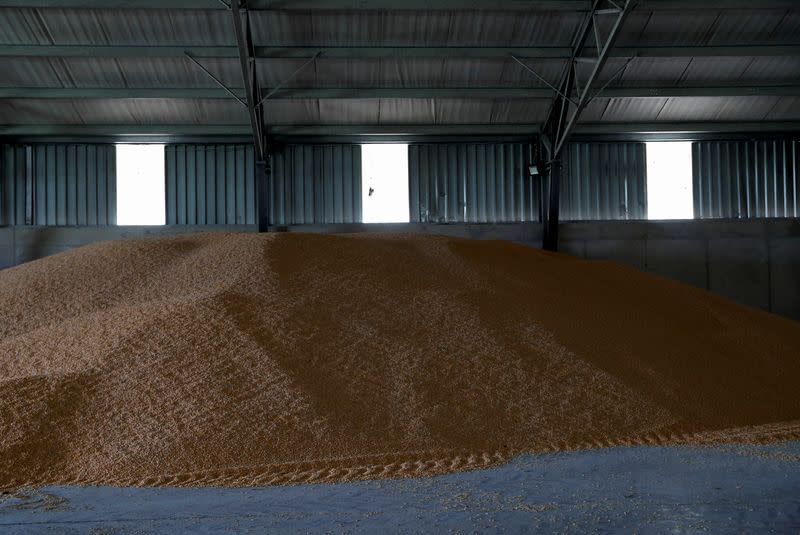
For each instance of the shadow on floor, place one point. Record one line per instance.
(728, 489)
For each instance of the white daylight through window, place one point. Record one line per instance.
(384, 187)
(669, 180)
(140, 185)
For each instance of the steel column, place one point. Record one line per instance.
(299, 52)
(572, 98)
(255, 111)
(550, 218)
(263, 175)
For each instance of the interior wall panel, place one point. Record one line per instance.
(746, 179)
(604, 181)
(210, 184)
(472, 183)
(12, 162)
(59, 185)
(216, 184)
(316, 183)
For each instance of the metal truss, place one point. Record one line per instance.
(255, 111)
(574, 94)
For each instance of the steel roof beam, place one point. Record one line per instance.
(252, 96)
(118, 51)
(714, 51)
(689, 127)
(255, 111)
(356, 52)
(490, 5)
(145, 131)
(243, 130)
(573, 97)
(124, 130)
(789, 90)
(702, 91)
(527, 5)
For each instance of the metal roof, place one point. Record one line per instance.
(70, 63)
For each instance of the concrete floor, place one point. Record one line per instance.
(730, 489)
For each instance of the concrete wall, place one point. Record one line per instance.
(754, 262)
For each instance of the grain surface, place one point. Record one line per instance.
(246, 359)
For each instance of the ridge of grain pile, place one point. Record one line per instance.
(246, 359)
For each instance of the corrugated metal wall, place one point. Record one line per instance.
(210, 184)
(472, 183)
(59, 184)
(14, 169)
(743, 179)
(215, 184)
(316, 184)
(604, 181)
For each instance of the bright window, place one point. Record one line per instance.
(669, 180)
(384, 189)
(140, 185)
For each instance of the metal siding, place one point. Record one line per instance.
(92, 177)
(170, 176)
(211, 181)
(250, 186)
(219, 184)
(59, 185)
(338, 187)
(299, 161)
(45, 181)
(471, 183)
(190, 178)
(745, 179)
(111, 180)
(358, 208)
(309, 189)
(71, 188)
(102, 178)
(230, 186)
(6, 205)
(210, 184)
(414, 194)
(316, 184)
(603, 181)
(12, 188)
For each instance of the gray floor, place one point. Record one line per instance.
(731, 489)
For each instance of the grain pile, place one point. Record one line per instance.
(241, 359)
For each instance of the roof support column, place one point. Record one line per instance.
(572, 97)
(263, 178)
(255, 112)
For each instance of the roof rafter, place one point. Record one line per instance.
(299, 52)
(573, 97)
(243, 130)
(786, 90)
(490, 5)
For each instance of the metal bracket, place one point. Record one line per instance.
(540, 77)
(284, 82)
(218, 81)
